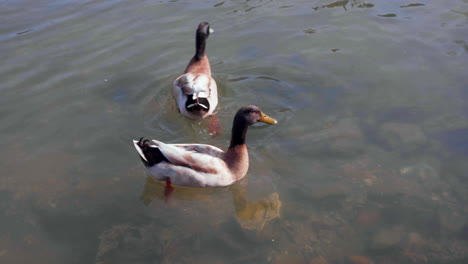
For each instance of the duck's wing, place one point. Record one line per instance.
(213, 94)
(203, 149)
(199, 157)
(196, 84)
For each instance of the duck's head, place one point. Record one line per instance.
(246, 116)
(204, 30)
(251, 114)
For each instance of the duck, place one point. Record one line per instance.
(195, 91)
(202, 165)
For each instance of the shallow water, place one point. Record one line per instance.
(366, 165)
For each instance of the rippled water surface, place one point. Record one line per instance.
(368, 163)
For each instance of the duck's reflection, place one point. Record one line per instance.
(250, 215)
(254, 215)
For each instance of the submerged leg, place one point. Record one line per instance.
(214, 128)
(168, 190)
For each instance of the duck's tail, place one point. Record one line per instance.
(149, 154)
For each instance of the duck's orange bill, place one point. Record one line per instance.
(266, 119)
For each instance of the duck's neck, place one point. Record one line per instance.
(239, 132)
(237, 155)
(200, 45)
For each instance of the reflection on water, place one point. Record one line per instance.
(254, 215)
(366, 165)
(346, 3)
(388, 15)
(335, 4)
(412, 5)
(251, 215)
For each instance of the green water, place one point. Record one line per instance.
(368, 163)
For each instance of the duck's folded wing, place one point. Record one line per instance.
(202, 162)
(189, 83)
(203, 149)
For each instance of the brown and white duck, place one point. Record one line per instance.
(195, 91)
(201, 165)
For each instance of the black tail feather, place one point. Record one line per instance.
(152, 154)
(197, 107)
